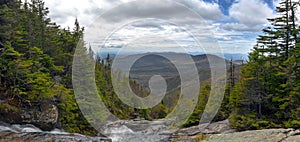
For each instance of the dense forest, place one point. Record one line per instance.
(36, 58)
(265, 92)
(268, 93)
(36, 67)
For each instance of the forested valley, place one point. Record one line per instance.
(36, 57)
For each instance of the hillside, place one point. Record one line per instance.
(151, 64)
(48, 92)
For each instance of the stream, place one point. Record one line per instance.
(30, 133)
(119, 131)
(138, 131)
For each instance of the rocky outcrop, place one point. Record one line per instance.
(30, 133)
(268, 135)
(45, 116)
(201, 131)
(213, 128)
(221, 132)
(48, 137)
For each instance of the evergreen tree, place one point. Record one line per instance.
(266, 96)
(35, 62)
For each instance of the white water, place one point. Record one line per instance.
(134, 131)
(17, 128)
(121, 131)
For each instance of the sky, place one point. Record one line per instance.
(228, 26)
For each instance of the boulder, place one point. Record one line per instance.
(49, 137)
(201, 131)
(45, 116)
(268, 135)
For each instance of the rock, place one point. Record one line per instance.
(221, 132)
(268, 135)
(49, 137)
(201, 131)
(292, 139)
(31, 133)
(219, 128)
(293, 136)
(213, 128)
(45, 116)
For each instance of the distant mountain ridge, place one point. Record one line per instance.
(151, 64)
(227, 56)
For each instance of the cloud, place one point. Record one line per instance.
(240, 27)
(244, 17)
(145, 9)
(86, 10)
(164, 9)
(148, 24)
(208, 11)
(61, 15)
(250, 13)
(64, 12)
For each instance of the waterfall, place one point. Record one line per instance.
(138, 131)
(119, 131)
(28, 132)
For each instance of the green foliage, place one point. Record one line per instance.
(202, 100)
(223, 111)
(242, 122)
(35, 62)
(266, 95)
(292, 124)
(71, 116)
(112, 101)
(36, 58)
(249, 122)
(7, 107)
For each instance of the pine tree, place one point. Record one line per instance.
(35, 62)
(267, 88)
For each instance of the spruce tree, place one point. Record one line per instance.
(266, 95)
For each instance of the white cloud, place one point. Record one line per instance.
(241, 27)
(251, 13)
(209, 11)
(64, 12)
(85, 10)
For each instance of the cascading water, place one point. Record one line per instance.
(30, 133)
(119, 131)
(138, 131)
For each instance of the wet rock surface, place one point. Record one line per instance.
(268, 135)
(221, 132)
(149, 131)
(44, 117)
(30, 133)
(48, 137)
(202, 131)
